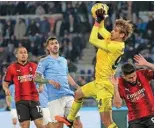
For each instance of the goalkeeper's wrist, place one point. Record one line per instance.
(98, 20)
(96, 24)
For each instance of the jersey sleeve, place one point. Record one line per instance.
(8, 75)
(106, 45)
(41, 67)
(149, 74)
(103, 32)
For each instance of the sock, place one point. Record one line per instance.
(113, 125)
(74, 110)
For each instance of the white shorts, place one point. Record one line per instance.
(46, 116)
(14, 113)
(60, 107)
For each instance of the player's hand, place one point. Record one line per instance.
(114, 81)
(100, 15)
(140, 60)
(7, 92)
(41, 88)
(55, 84)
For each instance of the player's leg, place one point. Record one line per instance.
(56, 108)
(36, 113)
(46, 117)
(69, 101)
(14, 117)
(85, 91)
(23, 114)
(76, 105)
(104, 99)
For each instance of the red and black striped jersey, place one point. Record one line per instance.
(139, 98)
(22, 77)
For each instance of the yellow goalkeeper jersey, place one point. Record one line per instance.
(108, 55)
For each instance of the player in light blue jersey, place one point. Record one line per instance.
(13, 105)
(57, 79)
(43, 99)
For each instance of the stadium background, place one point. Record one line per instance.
(30, 23)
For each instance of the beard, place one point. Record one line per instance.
(54, 52)
(133, 83)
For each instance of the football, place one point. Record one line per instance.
(99, 6)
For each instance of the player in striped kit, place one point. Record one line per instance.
(134, 87)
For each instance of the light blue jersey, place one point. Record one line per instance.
(43, 98)
(57, 70)
(12, 91)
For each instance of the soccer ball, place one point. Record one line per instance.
(99, 6)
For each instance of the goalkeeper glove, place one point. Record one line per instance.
(100, 15)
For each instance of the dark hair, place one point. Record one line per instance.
(128, 69)
(50, 38)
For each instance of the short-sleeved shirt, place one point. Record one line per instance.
(139, 98)
(57, 70)
(22, 77)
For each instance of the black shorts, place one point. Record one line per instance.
(146, 122)
(28, 110)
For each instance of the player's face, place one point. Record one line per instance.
(116, 35)
(131, 78)
(22, 55)
(53, 46)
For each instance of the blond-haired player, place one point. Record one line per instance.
(110, 50)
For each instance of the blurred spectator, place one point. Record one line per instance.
(44, 26)
(20, 7)
(71, 66)
(150, 24)
(8, 29)
(40, 10)
(20, 29)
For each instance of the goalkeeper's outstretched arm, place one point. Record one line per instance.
(106, 45)
(103, 32)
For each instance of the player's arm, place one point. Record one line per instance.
(117, 100)
(72, 82)
(6, 88)
(103, 32)
(6, 80)
(106, 45)
(40, 88)
(8, 101)
(141, 61)
(39, 79)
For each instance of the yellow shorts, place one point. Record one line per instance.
(102, 92)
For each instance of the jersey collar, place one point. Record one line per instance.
(22, 64)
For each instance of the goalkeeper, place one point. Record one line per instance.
(109, 54)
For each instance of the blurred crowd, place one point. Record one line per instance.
(71, 22)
